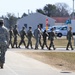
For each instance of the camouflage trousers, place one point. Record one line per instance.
(3, 50)
(38, 41)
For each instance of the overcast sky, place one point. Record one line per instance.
(21, 6)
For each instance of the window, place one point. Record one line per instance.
(64, 28)
(25, 25)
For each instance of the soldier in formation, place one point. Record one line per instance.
(15, 32)
(37, 35)
(11, 35)
(69, 37)
(51, 37)
(22, 35)
(45, 35)
(29, 36)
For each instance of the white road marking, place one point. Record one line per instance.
(14, 73)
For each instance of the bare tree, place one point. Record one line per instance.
(12, 19)
(62, 9)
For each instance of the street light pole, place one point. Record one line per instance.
(73, 9)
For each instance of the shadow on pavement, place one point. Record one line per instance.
(65, 72)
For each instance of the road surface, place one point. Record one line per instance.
(17, 64)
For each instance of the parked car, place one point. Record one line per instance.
(62, 31)
(56, 27)
(50, 28)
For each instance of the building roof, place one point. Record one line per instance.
(60, 19)
(37, 15)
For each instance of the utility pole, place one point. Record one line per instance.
(73, 9)
(18, 15)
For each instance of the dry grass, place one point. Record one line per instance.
(61, 60)
(61, 42)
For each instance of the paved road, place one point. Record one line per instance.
(17, 64)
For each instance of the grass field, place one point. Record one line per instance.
(59, 42)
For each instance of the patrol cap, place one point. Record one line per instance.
(52, 29)
(38, 25)
(70, 28)
(15, 25)
(1, 22)
(23, 27)
(30, 27)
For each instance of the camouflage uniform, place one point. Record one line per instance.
(4, 39)
(22, 34)
(11, 34)
(45, 34)
(69, 36)
(29, 36)
(37, 35)
(15, 32)
(51, 37)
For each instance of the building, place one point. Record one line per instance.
(61, 20)
(6, 23)
(33, 20)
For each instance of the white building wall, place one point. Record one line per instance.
(33, 20)
(73, 26)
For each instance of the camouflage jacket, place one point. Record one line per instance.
(4, 35)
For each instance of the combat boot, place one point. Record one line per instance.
(67, 49)
(42, 47)
(31, 47)
(54, 48)
(1, 65)
(49, 48)
(72, 49)
(18, 46)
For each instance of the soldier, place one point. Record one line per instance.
(51, 37)
(22, 34)
(45, 34)
(69, 36)
(37, 35)
(15, 32)
(11, 34)
(29, 36)
(4, 40)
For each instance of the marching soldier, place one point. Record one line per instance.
(37, 35)
(29, 36)
(15, 32)
(11, 34)
(69, 37)
(45, 34)
(51, 37)
(22, 35)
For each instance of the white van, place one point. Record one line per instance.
(62, 31)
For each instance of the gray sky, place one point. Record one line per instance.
(21, 6)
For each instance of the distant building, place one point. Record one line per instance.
(6, 23)
(61, 20)
(33, 20)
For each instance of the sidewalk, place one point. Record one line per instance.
(17, 64)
